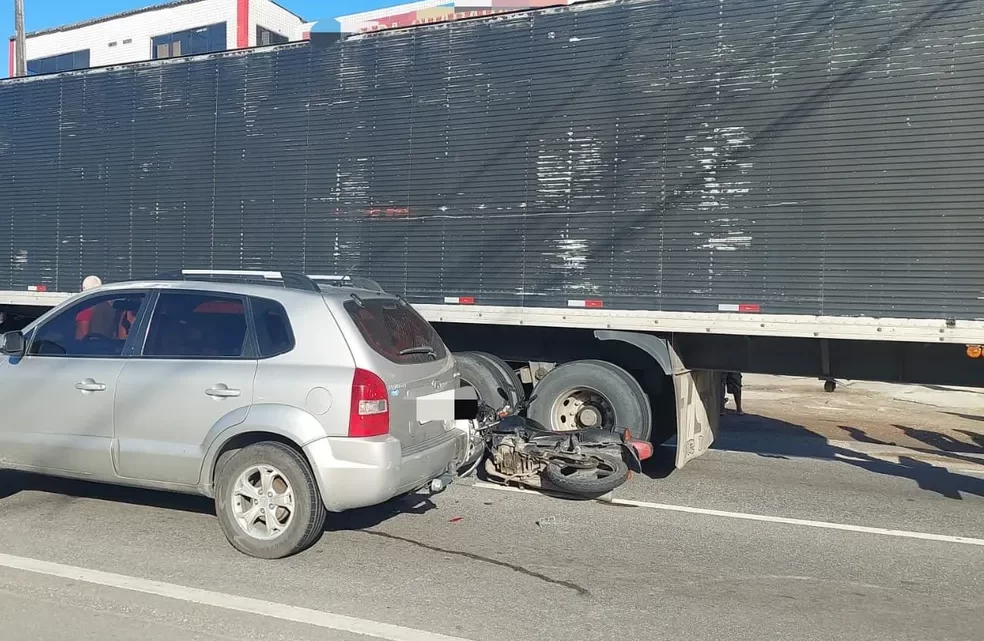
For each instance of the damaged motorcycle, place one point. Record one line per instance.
(584, 463)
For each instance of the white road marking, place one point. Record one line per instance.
(944, 538)
(317, 618)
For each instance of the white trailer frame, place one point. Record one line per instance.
(911, 330)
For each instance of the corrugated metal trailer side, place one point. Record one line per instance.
(798, 157)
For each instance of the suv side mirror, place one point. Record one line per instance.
(12, 344)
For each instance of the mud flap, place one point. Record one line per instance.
(698, 409)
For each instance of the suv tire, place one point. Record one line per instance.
(287, 475)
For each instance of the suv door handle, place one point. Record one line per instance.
(221, 391)
(89, 385)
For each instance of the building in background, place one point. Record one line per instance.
(177, 28)
(433, 11)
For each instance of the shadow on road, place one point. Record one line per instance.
(944, 388)
(970, 417)
(661, 464)
(780, 439)
(368, 517)
(942, 445)
(12, 483)
(975, 437)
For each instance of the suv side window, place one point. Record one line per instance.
(273, 332)
(197, 325)
(96, 327)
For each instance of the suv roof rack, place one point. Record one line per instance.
(288, 280)
(358, 282)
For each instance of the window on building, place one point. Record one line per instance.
(190, 42)
(55, 64)
(266, 37)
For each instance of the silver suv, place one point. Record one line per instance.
(282, 402)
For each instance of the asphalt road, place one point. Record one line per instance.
(80, 561)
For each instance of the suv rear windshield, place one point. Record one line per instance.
(394, 330)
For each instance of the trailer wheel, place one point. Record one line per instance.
(592, 393)
(515, 390)
(480, 374)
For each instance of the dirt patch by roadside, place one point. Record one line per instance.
(873, 414)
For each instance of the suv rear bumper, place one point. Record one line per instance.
(359, 472)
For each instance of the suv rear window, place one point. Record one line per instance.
(395, 330)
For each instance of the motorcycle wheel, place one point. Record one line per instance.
(610, 473)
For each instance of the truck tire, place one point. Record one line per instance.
(592, 393)
(291, 499)
(486, 379)
(612, 473)
(515, 391)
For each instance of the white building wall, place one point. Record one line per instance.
(369, 19)
(139, 29)
(272, 16)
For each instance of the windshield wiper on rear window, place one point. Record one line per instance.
(423, 349)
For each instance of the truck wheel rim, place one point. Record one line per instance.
(581, 408)
(263, 502)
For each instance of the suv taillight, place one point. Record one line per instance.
(369, 415)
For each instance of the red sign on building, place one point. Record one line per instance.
(422, 13)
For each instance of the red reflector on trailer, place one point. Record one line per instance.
(643, 449)
(742, 308)
(37, 288)
(459, 300)
(591, 303)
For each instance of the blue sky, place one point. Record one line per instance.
(42, 14)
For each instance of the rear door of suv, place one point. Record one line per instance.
(406, 352)
(194, 371)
